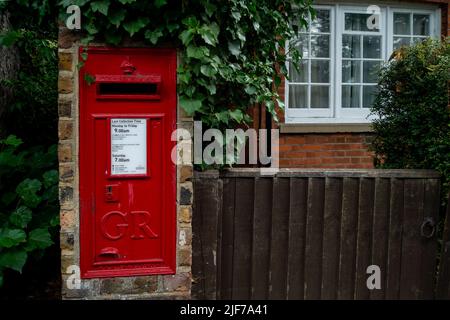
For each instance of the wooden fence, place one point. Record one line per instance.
(311, 234)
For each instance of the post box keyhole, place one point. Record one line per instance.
(112, 193)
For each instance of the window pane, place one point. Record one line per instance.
(401, 41)
(302, 44)
(358, 22)
(350, 96)
(301, 75)
(402, 23)
(320, 46)
(372, 47)
(298, 96)
(320, 97)
(351, 71)
(351, 47)
(370, 71)
(322, 21)
(369, 94)
(320, 71)
(421, 24)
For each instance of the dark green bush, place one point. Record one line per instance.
(28, 202)
(29, 209)
(413, 128)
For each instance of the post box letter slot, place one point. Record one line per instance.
(127, 88)
(109, 252)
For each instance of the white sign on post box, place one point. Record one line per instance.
(128, 146)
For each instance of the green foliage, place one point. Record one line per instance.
(232, 53)
(28, 206)
(413, 129)
(33, 106)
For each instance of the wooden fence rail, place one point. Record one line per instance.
(311, 234)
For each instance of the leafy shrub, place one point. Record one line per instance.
(413, 128)
(29, 208)
(28, 202)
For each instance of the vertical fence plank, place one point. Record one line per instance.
(206, 222)
(380, 233)
(443, 281)
(297, 234)
(243, 225)
(279, 239)
(364, 241)
(395, 240)
(314, 229)
(261, 237)
(348, 230)
(331, 237)
(411, 246)
(228, 207)
(429, 246)
(198, 286)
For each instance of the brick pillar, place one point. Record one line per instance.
(135, 287)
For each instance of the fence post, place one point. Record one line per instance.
(443, 282)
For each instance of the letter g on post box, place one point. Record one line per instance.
(127, 178)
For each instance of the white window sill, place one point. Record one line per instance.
(325, 127)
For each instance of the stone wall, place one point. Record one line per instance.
(176, 286)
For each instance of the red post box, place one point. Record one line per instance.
(127, 178)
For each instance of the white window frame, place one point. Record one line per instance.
(316, 112)
(337, 114)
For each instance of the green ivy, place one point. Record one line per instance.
(232, 51)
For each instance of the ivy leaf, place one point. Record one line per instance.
(12, 140)
(135, 25)
(90, 79)
(236, 115)
(210, 33)
(234, 47)
(54, 221)
(27, 190)
(197, 52)
(91, 28)
(208, 71)
(190, 105)
(14, 259)
(100, 6)
(250, 90)
(153, 36)
(39, 239)
(117, 17)
(21, 217)
(126, 1)
(236, 15)
(223, 117)
(160, 3)
(186, 36)
(211, 88)
(50, 178)
(11, 237)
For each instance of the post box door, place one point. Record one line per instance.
(127, 178)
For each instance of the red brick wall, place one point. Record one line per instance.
(340, 150)
(336, 150)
